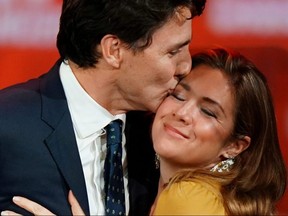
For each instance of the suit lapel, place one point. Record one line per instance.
(61, 142)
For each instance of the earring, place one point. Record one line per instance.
(223, 166)
(157, 161)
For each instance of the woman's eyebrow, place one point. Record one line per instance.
(211, 101)
(185, 85)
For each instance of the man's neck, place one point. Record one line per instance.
(101, 85)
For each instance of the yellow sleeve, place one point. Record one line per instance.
(189, 198)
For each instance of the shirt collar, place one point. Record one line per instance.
(87, 115)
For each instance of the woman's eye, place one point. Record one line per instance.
(178, 97)
(209, 113)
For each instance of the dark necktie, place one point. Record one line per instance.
(113, 171)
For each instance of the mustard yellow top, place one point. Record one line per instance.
(190, 198)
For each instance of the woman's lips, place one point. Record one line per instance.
(174, 132)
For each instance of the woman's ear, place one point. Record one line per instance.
(236, 147)
(111, 50)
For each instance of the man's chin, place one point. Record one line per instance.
(158, 104)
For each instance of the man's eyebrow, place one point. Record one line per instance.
(183, 44)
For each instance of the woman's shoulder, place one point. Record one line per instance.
(190, 197)
(188, 188)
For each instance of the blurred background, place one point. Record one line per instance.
(257, 28)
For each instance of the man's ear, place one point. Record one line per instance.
(111, 50)
(236, 147)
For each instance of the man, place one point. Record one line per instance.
(116, 56)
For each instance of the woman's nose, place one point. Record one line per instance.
(185, 114)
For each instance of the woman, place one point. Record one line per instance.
(217, 142)
(221, 113)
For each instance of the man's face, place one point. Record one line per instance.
(150, 74)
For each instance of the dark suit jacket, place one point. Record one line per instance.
(39, 158)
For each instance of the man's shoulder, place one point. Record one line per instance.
(24, 93)
(29, 86)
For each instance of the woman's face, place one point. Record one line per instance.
(192, 126)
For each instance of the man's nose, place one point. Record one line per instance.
(184, 66)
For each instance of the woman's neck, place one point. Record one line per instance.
(161, 186)
(167, 171)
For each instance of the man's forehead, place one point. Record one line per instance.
(182, 14)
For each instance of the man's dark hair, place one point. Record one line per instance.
(83, 24)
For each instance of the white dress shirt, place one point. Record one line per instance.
(89, 119)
